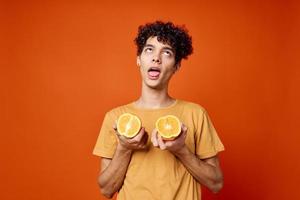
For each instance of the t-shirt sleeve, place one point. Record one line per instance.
(107, 141)
(208, 143)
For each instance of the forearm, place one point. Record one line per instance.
(205, 173)
(111, 179)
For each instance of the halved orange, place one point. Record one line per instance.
(168, 127)
(128, 125)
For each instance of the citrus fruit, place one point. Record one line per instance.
(128, 125)
(168, 127)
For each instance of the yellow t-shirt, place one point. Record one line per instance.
(154, 173)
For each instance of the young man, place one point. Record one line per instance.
(147, 167)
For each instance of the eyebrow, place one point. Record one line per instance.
(168, 48)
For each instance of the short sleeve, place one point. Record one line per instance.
(208, 143)
(107, 141)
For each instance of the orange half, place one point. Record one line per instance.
(168, 127)
(128, 125)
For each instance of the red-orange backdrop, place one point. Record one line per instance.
(65, 63)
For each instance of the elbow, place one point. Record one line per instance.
(105, 191)
(107, 194)
(217, 186)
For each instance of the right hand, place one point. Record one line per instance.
(138, 142)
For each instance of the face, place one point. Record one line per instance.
(157, 63)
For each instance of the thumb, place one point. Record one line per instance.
(140, 134)
(183, 128)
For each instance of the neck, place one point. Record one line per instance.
(154, 98)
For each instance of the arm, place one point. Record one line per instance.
(207, 171)
(113, 170)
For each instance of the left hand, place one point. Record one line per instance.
(172, 145)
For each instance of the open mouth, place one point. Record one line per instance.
(154, 72)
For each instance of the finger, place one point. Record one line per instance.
(145, 139)
(183, 127)
(161, 143)
(121, 137)
(154, 137)
(144, 142)
(140, 135)
(183, 130)
(115, 125)
(123, 140)
(171, 144)
(168, 143)
(117, 133)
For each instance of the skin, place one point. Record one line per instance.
(155, 95)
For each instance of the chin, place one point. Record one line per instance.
(154, 86)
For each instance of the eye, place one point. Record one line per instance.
(168, 53)
(148, 49)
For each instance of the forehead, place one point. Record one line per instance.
(154, 42)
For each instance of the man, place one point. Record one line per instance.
(147, 167)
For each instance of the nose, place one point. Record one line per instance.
(156, 58)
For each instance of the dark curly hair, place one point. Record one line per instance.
(175, 36)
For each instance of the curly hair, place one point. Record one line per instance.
(175, 36)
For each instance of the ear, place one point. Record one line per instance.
(177, 66)
(138, 62)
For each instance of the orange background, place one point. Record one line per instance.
(64, 64)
